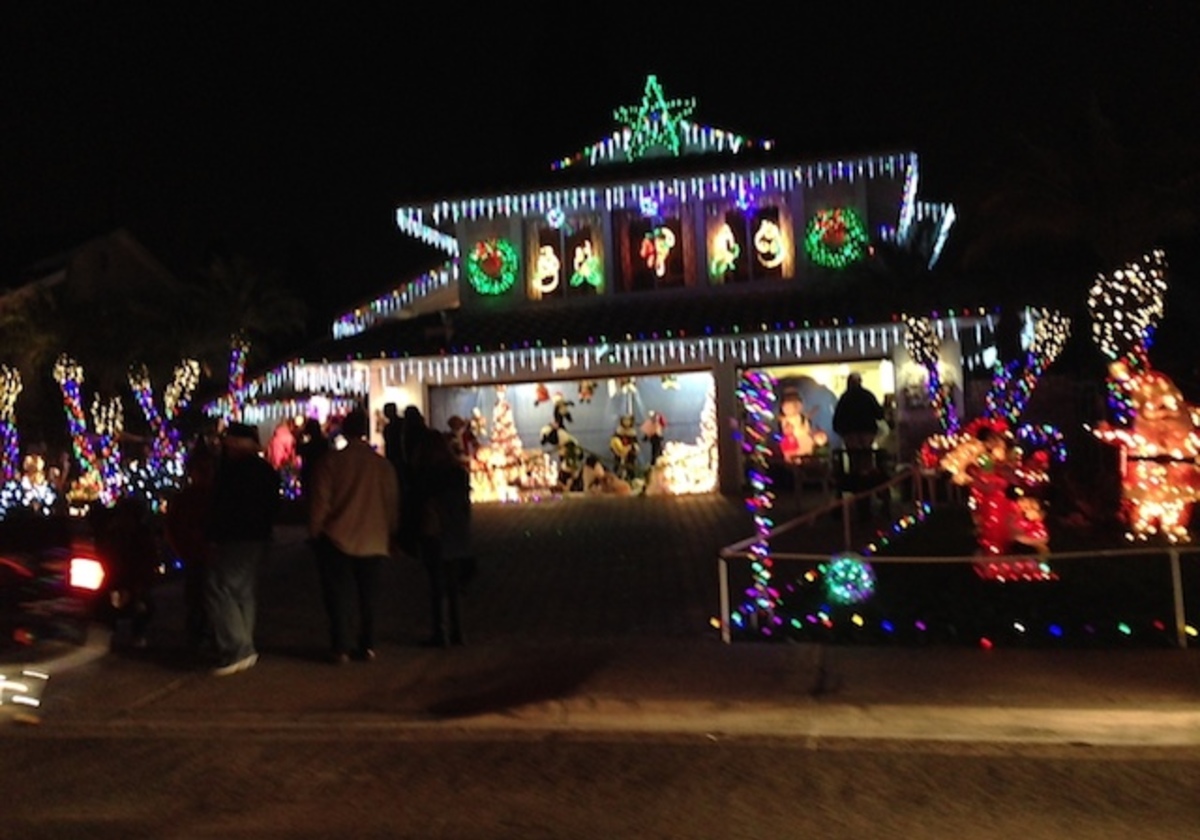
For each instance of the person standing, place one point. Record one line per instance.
(184, 527)
(393, 436)
(856, 421)
(354, 513)
(244, 505)
(439, 502)
(313, 444)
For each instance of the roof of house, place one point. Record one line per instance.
(726, 310)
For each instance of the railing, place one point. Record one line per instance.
(739, 551)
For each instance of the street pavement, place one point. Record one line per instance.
(600, 615)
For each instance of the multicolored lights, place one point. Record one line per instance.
(756, 392)
(1156, 430)
(10, 442)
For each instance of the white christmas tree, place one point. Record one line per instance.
(692, 467)
(506, 443)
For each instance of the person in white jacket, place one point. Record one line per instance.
(354, 514)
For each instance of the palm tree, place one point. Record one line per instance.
(1089, 203)
(230, 301)
(30, 340)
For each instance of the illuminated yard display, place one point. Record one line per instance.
(1004, 465)
(1155, 429)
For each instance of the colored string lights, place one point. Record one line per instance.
(1156, 430)
(654, 123)
(756, 392)
(69, 375)
(10, 442)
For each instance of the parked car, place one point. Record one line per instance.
(54, 586)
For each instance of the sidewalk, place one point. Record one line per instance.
(594, 615)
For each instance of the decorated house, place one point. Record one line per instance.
(612, 313)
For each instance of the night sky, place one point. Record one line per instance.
(291, 131)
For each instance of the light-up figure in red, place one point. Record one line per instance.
(1007, 514)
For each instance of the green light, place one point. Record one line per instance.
(836, 238)
(492, 266)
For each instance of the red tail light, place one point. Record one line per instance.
(86, 573)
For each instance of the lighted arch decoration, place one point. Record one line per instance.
(836, 238)
(492, 266)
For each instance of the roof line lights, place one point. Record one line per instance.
(422, 222)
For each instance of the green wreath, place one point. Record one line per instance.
(492, 266)
(836, 238)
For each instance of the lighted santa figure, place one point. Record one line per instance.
(1007, 514)
(1160, 453)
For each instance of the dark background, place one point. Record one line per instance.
(290, 132)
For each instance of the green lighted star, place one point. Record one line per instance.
(656, 122)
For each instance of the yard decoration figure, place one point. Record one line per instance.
(1160, 454)
(654, 428)
(1157, 431)
(562, 410)
(1002, 462)
(797, 438)
(1005, 508)
(624, 447)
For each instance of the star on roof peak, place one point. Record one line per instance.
(656, 121)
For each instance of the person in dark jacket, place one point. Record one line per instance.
(185, 529)
(856, 421)
(437, 496)
(309, 449)
(242, 517)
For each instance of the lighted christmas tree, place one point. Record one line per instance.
(692, 467)
(506, 443)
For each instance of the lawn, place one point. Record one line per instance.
(1095, 600)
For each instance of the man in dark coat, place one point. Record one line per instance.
(856, 421)
(242, 518)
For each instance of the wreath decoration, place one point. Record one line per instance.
(836, 238)
(492, 266)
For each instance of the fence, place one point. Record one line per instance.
(922, 490)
